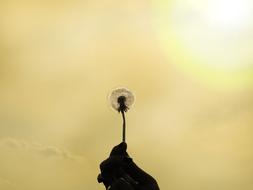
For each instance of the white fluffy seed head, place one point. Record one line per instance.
(118, 92)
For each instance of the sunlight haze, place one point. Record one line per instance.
(188, 62)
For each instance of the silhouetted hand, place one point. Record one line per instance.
(119, 172)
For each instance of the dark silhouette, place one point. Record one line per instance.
(119, 172)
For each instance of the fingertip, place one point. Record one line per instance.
(123, 145)
(100, 178)
(120, 149)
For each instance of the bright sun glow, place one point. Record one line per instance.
(210, 39)
(229, 13)
(214, 33)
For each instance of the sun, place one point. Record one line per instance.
(211, 39)
(229, 14)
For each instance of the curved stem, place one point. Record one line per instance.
(124, 126)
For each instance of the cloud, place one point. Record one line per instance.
(13, 143)
(47, 151)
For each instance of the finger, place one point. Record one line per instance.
(100, 178)
(119, 150)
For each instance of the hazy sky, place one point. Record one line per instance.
(189, 63)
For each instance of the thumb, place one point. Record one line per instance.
(119, 150)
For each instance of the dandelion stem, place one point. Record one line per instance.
(124, 126)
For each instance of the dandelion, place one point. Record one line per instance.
(121, 100)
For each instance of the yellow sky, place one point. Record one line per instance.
(189, 63)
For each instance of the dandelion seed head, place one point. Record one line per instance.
(119, 96)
